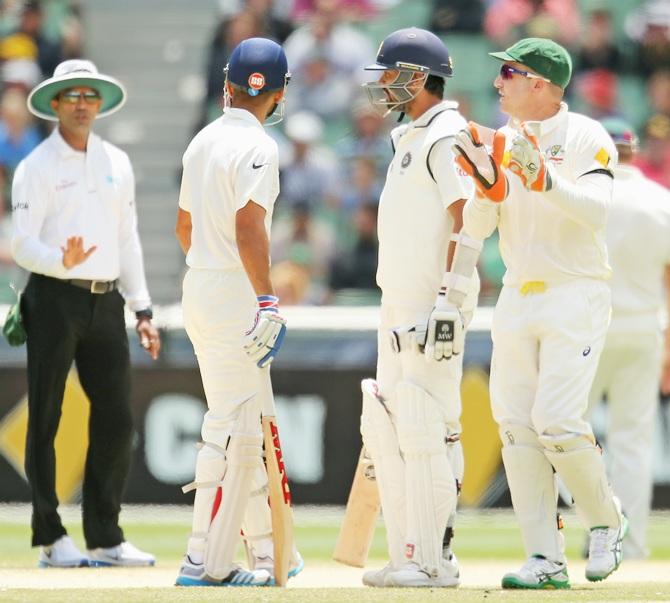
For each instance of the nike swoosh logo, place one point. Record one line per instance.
(260, 165)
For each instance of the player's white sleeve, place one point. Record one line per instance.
(452, 183)
(480, 217)
(587, 201)
(29, 204)
(132, 277)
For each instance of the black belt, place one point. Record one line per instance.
(97, 287)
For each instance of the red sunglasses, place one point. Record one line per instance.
(507, 72)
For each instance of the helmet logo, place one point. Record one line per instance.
(406, 160)
(256, 81)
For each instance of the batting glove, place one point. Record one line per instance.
(263, 340)
(484, 167)
(527, 161)
(445, 331)
(405, 339)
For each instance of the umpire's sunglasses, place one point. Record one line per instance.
(72, 97)
(507, 72)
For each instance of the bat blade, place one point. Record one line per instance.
(280, 501)
(360, 518)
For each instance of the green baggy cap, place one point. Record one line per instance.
(545, 57)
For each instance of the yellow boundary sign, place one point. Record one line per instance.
(71, 440)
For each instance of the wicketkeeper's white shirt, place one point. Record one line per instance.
(638, 240)
(540, 241)
(414, 226)
(229, 162)
(59, 192)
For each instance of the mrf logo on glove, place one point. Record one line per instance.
(263, 340)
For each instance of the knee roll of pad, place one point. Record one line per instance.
(566, 442)
(245, 450)
(513, 434)
(421, 426)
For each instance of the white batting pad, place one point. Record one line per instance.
(580, 465)
(429, 480)
(531, 482)
(244, 458)
(381, 442)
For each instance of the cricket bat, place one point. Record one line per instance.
(279, 493)
(360, 518)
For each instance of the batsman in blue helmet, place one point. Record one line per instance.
(229, 186)
(411, 413)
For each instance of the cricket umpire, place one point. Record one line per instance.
(75, 230)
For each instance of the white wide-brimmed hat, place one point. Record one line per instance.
(70, 74)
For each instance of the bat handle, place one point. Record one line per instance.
(267, 396)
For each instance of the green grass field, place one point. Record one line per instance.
(487, 543)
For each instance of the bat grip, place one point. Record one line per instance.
(267, 397)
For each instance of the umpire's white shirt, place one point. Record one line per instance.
(414, 226)
(638, 240)
(228, 163)
(59, 192)
(539, 239)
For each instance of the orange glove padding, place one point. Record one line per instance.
(484, 168)
(527, 161)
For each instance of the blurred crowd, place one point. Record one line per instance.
(334, 148)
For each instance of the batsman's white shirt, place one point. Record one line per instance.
(59, 192)
(228, 163)
(414, 226)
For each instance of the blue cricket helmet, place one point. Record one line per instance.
(258, 65)
(414, 49)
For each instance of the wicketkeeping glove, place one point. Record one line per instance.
(263, 340)
(527, 161)
(445, 331)
(484, 167)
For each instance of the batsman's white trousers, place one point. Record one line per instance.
(546, 348)
(629, 374)
(219, 307)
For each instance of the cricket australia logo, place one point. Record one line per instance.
(406, 160)
(555, 153)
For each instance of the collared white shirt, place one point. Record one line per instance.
(539, 241)
(638, 240)
(414, 226)
(229, 162)
(59, 192)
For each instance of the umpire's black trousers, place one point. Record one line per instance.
(66, 323)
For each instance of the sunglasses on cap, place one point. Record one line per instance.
(507, 71)
(72, 97)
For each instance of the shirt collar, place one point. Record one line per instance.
(243, 115)
(423, 120)
(65, 150)
(546, 125)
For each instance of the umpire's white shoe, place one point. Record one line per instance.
(411, 575)
(538, 573)
(62, 553)
(124, 555)
(192, 574)
(376, 578)
(605, 548)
